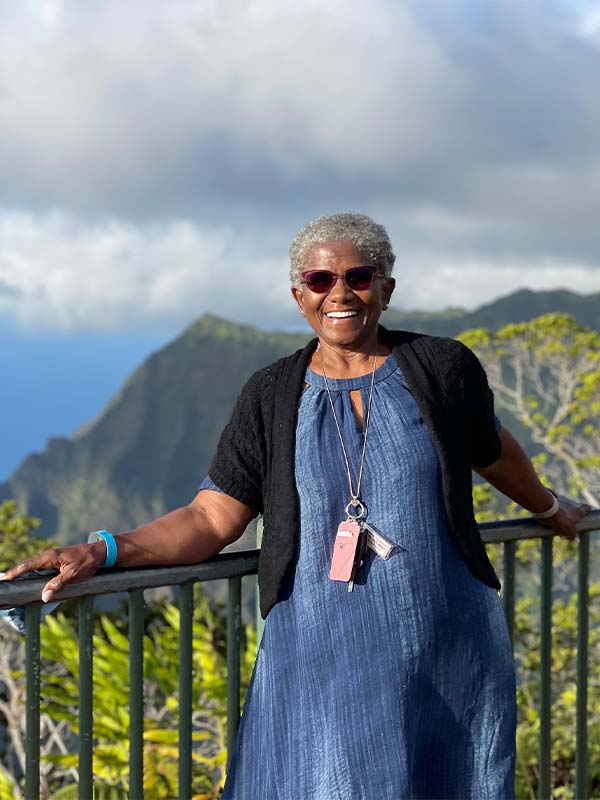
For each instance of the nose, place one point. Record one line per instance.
(340, 290)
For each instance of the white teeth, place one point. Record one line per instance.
(341, 314)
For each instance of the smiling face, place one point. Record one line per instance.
(343, 318)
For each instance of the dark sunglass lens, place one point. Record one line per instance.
(319, 281)
(360, 278)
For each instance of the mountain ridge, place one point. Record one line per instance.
(150, 447)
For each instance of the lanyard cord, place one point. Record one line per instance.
(354, 495)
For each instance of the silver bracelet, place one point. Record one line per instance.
(552, 511)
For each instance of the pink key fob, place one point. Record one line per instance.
(344, 551)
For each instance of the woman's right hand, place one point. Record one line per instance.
(74, 564)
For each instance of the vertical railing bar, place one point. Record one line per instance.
(544, 786)
(234, 630)
(186, 618)
(581, 747)
(260, 623)
(32, 702)
(136, 694)
(508, 589)
(86, 718)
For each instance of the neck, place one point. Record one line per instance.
(342, 362)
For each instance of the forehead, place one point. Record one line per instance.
(342, 253)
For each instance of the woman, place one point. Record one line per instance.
(385, 669)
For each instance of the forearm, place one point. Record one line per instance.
(183, 536)
(513, 474)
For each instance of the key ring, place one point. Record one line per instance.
(355, 503)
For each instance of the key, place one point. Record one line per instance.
(361, 549)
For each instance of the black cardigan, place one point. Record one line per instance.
(254, 462)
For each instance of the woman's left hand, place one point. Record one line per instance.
(565, 520)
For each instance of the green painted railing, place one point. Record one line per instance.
(233, 566)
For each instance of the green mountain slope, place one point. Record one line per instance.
(149, 449)
(516, 307)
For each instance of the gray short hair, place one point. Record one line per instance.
(369, 237)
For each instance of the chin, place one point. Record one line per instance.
(347, 338)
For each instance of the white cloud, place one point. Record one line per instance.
(431, 281)
(110, 89)
(589, 23)
(59, 273)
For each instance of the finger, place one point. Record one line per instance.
(45, 560)
(570, 534)
(57, 584)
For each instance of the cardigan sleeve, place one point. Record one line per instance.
(482, 438)
(236, 465)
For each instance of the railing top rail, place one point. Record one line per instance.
(513, 530)
(228, 565)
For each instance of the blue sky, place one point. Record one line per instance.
(156, 158)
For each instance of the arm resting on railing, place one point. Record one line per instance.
(186, 535)
(513, 474)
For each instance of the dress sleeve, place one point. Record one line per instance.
(208, 483)
(236, 468)
(481, 424)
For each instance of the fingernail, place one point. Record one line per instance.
(47, 596)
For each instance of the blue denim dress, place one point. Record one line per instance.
(404, 688)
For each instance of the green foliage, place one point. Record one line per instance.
(564, 692)
(101, 792)
(8, 789)
(489, 505)
(111, 696)
(564, 659)
(15, 542)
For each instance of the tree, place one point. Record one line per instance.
(546, 373)
(16, 544)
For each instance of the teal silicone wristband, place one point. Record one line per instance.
(111, 546)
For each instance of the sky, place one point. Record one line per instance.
(156, 159)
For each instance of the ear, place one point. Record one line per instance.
(389, 284)
(298, 297)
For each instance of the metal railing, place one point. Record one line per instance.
(233, 566)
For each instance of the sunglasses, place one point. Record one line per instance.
(322, 281)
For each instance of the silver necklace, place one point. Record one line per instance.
(355, 508)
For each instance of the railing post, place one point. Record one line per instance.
(544, 786)
(260, 623)
(32, 708)
(508, 589)
(86, 713)
(136, 695)
(234, 626)
(581, 747)
(186, 619)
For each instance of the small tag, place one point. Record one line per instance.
(379, 543)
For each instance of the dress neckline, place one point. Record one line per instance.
(348, 384)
